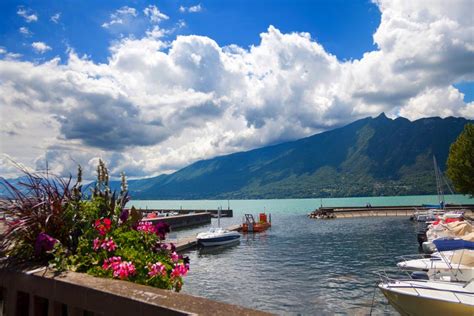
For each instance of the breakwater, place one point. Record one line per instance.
(182, 221)
(403, 210)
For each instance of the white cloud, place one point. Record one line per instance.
(154, 14)
(55, 18)
(25, 31)
(156, 106)
(121, 16)
(28, 15)
(192, 9)
(40, 47)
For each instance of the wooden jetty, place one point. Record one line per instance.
(191, 241)
(375, 211)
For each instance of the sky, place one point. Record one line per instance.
(152, 86)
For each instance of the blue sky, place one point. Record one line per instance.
(151, 86)
(344, 28)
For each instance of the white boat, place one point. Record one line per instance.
(217, 236)
(454, 262)
(426, 297)
(439, 294)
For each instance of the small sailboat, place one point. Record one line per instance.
(217, 236)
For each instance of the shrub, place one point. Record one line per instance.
(49, 220)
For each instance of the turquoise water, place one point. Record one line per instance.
(301, 266)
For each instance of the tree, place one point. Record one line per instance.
(461, 161)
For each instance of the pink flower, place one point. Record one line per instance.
(124, 269)
(179, 270)
(97, 243)
(146, 227)
(112, 263)
(109, 244)
(174, 256)
(156, 268)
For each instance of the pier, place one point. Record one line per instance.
(182, 221)
(213, 212)
(375, 211)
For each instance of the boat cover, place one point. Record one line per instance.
(453, 244)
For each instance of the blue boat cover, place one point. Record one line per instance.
(453, 244)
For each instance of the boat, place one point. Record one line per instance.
(250, 225)
(217, 236)
(454, 261)
(426, 297)
(446, 289)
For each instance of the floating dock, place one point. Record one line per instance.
(406, 211)
(191, 241)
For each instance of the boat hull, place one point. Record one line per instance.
(256, 228)
(415, 305)
(218, 241)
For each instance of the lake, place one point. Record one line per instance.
(301, 265)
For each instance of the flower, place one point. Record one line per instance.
(111, 262)
(103, 226)
(156, 268)
(97, 244)
(124, 216)
(44, 242)
(179, 270)
(162, 229)
(174, 257)
(146, 227)
(109, 244)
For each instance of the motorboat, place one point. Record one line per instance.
(453, 262)
(426, 297)
(217, 236)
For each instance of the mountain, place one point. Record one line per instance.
(372, 156)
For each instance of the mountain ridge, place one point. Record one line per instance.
(371, 156)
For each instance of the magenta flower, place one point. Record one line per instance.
(174, 257)
(179, 270)
(162, 229)
(124, 269)
(156, 268)
(112, 262)
(146, 227)
(44, 242)
(108, 244)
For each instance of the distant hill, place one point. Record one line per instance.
(372, 156)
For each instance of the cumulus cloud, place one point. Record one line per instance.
(55, 18)
(154, 14)
(28, 15)
(191, 9)
(25, 31)
(156, 106)
(121, 16)
(40, 47)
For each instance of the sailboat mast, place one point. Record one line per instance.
(438, 183)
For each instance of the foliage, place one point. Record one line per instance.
(461, 161)
(49, 220)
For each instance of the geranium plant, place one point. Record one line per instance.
(49, 220)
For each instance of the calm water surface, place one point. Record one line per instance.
(300, 266)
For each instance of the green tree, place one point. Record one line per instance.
(461, 161)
